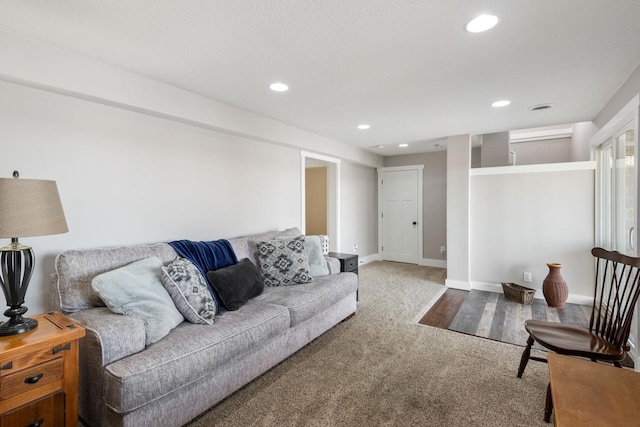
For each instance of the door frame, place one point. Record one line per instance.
(333, 196)
(628, 116)
(420, 170)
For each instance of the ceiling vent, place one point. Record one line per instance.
(540, 107)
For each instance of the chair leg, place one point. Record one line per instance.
(548, 406)
(617, 364)
(525, 356)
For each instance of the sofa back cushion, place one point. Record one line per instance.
(71, 285)
(245, 247)
(76, 269)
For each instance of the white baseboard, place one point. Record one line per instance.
(457, 284)
(362, 260)
(424, 261)
(439, 263)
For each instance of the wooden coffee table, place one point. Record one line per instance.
(585, 393)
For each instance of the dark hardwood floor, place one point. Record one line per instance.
(445, 309)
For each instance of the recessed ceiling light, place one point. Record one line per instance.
(278, 87)
(502, 103)
(364, 126)
(481, 23)
(403, 145)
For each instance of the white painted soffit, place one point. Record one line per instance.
(541, 133)
(35, 65)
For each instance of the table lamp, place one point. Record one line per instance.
(28, 207)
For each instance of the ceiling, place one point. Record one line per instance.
(406, 67)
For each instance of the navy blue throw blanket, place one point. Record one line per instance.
(207, 256)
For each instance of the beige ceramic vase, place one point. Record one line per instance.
(554, 287)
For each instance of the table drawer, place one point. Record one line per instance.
(10, 365)
(31, 378)
(351, 264)
(47, 412)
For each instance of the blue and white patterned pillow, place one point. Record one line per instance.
(284, 262)
(190, 291)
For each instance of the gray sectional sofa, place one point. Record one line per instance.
(170, 382)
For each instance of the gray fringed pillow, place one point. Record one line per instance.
(189, 290)
(284, 262)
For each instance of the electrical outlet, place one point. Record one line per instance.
(355, 247)
(442, 249)
(526, 276)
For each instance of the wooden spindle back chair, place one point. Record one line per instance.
(617, 287)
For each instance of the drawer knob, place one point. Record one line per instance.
(34, 379)
(37, 423)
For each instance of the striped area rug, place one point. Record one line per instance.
(490, 315)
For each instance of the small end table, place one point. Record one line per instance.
(348, 263)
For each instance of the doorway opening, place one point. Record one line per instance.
(320, 187)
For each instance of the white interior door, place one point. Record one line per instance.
(399, 215)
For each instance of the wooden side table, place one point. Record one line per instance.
(587, 393)
(348, 263)
(39, 374)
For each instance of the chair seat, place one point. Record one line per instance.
(572, 340)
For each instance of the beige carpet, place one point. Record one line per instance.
(381, 368)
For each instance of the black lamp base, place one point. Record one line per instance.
(17, 325)
(14, 281)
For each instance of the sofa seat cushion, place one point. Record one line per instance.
(306, 300)
(190, 352)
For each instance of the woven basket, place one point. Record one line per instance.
(518, 293)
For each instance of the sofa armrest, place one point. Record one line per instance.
(334, 264)
(110, 336)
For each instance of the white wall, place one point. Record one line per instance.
(127, 178)
(628, 89)
(580, 148)
(494, 150)
(542, 151)
(522, 219)
(358, 198)
(137, 161)
(458, 168)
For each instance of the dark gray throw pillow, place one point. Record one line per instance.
(236, 284)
